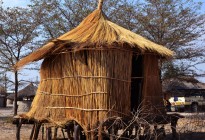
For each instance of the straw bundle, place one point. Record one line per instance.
(86, 86)
(86, 73)
(152, 88)
(93, 32)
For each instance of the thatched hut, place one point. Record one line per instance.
(26, 94)
(24, 97)
(96, 71)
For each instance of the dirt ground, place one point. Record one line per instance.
(192, 127)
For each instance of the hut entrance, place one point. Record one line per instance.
(137, 81)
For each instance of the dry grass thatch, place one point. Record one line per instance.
(85, 90)
(90, 86)
(86, 75)
(96, 31)
(152, 88)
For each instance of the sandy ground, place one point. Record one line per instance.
(192, 127)
(7, 129)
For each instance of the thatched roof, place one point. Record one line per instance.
(28, 91)
(96, 31)
(182, 83)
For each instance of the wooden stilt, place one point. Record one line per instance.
(18, 128)
(63, 133)
(76, 134)
(36, 131)
(112, 133)
(69, 128)
(48, 133)
(32, 131)
(42, 131)
(55, 133)
(173, 127)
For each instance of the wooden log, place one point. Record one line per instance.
(173, 127)
(18, 128)
(68, 130)
(63, 133)
(76, 135)
(32, 131)
(55, 133)
(48, 133)
(16, 119)
(112, 133)
(174, 119)
(42, 131)
(36, 131)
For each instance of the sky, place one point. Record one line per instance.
(34, 75)
(13, 3)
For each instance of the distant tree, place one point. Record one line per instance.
(178, 25)
(18, 30)
(60, 16)
(4, 80)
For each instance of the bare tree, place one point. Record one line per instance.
(60, 16)
(18, 31)
(178, 25)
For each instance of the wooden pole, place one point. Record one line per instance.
(55, 133)
(32, 131)
(112, 133)
(68, 129)
(76, 132)
(48, 134)
(63, 133)
(18, 128)
(36, 132)
(173, 127)
(100, 3)
(42, 131)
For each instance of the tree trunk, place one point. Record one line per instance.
(16, 92)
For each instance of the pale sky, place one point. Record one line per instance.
(13, 3)
(24, 3)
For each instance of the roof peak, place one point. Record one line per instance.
(100, 4)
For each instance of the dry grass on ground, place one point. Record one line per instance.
(192, 127)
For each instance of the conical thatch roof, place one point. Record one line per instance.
(28, 91)
(96, 31)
